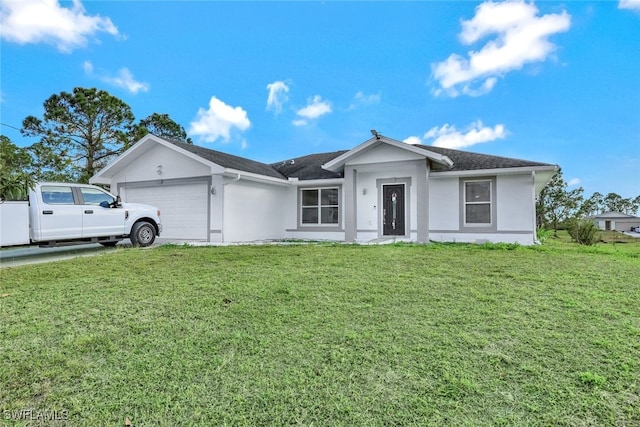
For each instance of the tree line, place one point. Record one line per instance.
(78, 134)
(557, 206)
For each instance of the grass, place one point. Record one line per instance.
(326, 335)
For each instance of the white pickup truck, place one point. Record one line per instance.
(59, 214)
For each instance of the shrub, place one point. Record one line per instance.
(583, 232)
(543, 234)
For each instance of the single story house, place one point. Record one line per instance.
(382, 189)
(615, 221)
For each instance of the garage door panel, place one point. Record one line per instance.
(184, 208)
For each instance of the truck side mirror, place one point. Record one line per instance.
(118, 202)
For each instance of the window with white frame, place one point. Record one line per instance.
(320, 206)
(477, 202)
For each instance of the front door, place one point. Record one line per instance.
(393, 212)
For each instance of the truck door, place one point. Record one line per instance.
(59, 215)
(99, 216)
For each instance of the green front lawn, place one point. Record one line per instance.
(326, 335)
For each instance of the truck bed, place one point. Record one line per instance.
(14, 223)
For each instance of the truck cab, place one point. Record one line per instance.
(66, 213)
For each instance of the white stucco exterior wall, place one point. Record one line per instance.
(514, 203)
(514, 206)
(444, 203)
(368, 205)
(384, 154)
(216, 209)
(290, 199)
(503, 237)
(253, 211)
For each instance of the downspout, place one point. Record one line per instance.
(236, 179)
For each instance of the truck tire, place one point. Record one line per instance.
(142, 234)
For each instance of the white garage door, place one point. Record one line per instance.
(183, 208)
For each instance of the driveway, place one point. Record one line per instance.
(11, 257)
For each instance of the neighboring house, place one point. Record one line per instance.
(615, 221)
(383, 189)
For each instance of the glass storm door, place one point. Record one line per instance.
(393, 217)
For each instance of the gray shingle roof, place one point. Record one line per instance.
(465, 160)
(310, 167)
(229, 161)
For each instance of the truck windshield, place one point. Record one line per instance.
(94, 196)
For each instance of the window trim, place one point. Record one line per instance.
(319, 206)
(484, 226)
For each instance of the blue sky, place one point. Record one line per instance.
(556, 82)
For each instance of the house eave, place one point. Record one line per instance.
(495, 171)
(317, 182)
(235, 173)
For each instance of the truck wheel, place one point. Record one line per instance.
(143, 234)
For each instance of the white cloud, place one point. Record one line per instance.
(630, 4)
(46, 21)
(277, 95)
(124, 79)
(485, 87)
(413, 140)
(315, 108)
(299, 122)
(521, 37)
(448, 136)
(373, 98)
(88, 67)
(218, 121)
(362, 99)
(574, 181)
